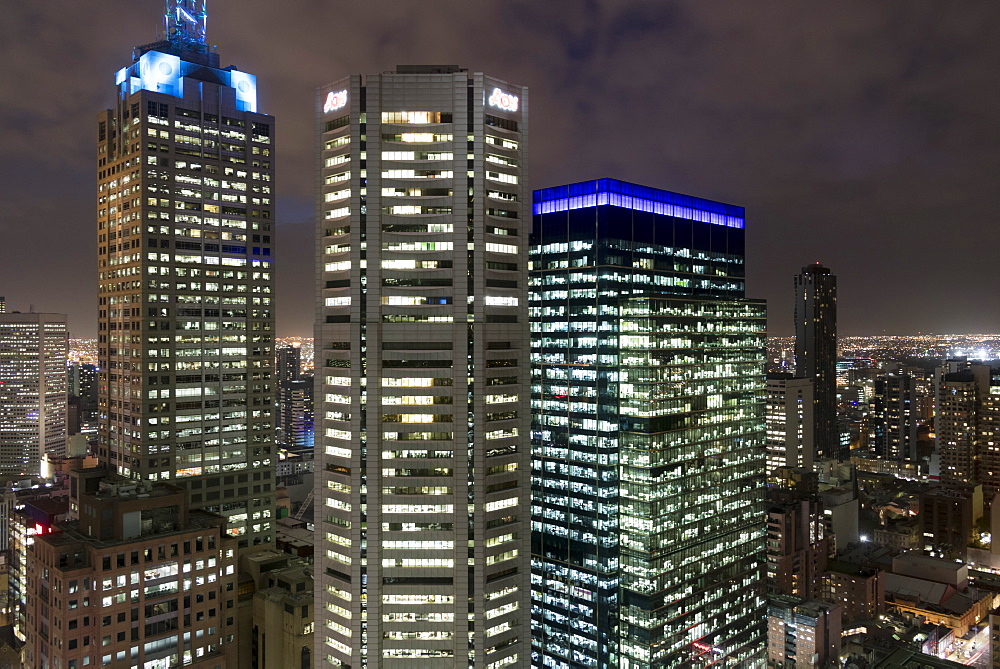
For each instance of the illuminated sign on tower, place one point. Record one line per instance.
(504, 101)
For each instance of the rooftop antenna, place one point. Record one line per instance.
(186, 23)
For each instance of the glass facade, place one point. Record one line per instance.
(647, 434)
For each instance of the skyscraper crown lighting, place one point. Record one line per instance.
(617, 193)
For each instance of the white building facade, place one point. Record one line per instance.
(33, 390)
(422, 374)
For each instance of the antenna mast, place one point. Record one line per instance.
(186, 23)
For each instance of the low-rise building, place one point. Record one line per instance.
(937, 590)
(275, 610)
(802, 633)
(859, 590)
(134, 580)
(900, 535)
(948, 514)
(282, 633)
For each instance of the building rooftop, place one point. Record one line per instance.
(908, 658)
(615, 193)
(918, 559)
(69, 533)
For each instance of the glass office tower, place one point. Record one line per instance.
(648, 432)
(185, 241)
(816, 353)
(422, 484)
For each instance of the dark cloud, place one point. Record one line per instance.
(862, 135)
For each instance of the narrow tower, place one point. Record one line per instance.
(186, 324)
(816, 351)
(422, 491)
(33, 391)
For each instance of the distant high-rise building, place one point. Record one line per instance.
(956, 424)
(648, 431)
(422, 489)
(33, 391)
(288, 367)
(295, 406)
(816, 350)
(185, 241)
(83, 386)
(989, 443)
(3, 304)
(790, 422)
(288, 363)
(893, 416)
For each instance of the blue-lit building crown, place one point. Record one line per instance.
(615, 193)
(165, 66)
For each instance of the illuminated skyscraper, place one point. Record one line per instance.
(790, 422)
(83, 387)
(422, 494)
(894, 415)
(186, 324)
(295, 406)
(648, 432)
(956, 424)
(33, 391)
(289, 363)
(816, 351)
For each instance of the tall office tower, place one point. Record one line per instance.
(648, 431)
(894, 415)
(790, 422)
(288, 363)
(422, 371)
(3, 304)
(33, 391)
(186, 324)
(956, 425)
(295, 404)
(288, 367)
(816, 351)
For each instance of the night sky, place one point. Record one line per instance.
(865, 136)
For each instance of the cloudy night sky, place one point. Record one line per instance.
(865, 136)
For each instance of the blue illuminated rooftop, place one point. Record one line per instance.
(614, 193)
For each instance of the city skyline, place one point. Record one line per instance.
(534, 423)
(893, 145)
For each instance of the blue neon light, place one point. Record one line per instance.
(246, 90)
(165, 72)
(612, 192)
(160, 72)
